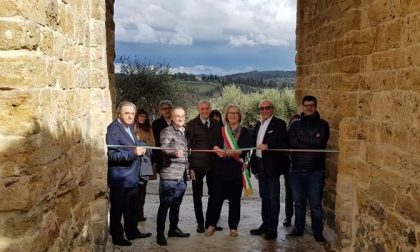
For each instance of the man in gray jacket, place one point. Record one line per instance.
(172, 186)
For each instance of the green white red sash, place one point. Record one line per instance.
(231, 143)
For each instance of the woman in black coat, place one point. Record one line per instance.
(227, 172)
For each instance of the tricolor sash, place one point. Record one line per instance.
(231, 143)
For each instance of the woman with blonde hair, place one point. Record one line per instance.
(227, 172)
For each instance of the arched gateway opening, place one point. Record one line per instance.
(56, 87)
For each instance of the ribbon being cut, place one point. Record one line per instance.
(232, 145)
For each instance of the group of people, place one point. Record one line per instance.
(206, 148)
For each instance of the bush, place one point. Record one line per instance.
(146, 84)
(283, 99)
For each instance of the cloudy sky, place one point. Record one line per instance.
(208, 36)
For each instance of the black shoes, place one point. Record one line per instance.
(293, 234)
(138, 235)
(320, 239)
(161, 240)
(200, 229)
(270, 236)
(287, 223)
(121, 242)
(217, 228)
(258, 231)
(177, 233)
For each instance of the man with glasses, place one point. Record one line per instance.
(269, 133)
(165, 111)
(172, 185)
(308, 168)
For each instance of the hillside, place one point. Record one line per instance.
(263, 79)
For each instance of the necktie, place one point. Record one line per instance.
(206, 124)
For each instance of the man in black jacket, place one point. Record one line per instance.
(165, 110)
(269, 133)
(308, 168)
(201, 132)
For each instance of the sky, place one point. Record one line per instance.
(208, 36)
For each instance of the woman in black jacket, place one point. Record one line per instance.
(227, 182)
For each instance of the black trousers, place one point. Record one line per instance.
(226, 189)
(124, 202)
(197, 188)
(289, 199)
(141, 191)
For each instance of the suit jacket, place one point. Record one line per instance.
(274, 163)
(123, 163)
(157, 126)
(201, 137)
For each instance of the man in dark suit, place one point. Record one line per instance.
(269, 133)
(123, 175)
(201, 132)
(165, 111)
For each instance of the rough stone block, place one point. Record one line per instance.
(383, 193)
(376, 12)
(400, 137)
(97, 13)
(98, 59)
(17, 114)
(9, 8)
(409, 79)
(99, 210)
(18, 71)
(18, 35)
(408, 202)
(351, 64)
(97, 33)
(9, 188)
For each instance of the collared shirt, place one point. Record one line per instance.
(169, 122)
(204, 121)
(127, 129)
(261, 133)
(182, 129)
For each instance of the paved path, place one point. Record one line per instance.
(220, 241)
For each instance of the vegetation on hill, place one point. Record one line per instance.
(263, 79)
(146, 84)
(284, 102)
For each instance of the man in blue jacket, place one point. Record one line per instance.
(123, 175)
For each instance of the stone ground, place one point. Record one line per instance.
(220, 241)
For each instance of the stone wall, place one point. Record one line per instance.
(54, 106)
(362, 60)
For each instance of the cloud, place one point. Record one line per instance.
(184, 22)
(204, 69)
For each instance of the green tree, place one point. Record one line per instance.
(283, 99)
(145, 84)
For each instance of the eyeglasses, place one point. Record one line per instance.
(265, 108)
(166, 108)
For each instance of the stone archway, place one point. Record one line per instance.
(360, 59)
(55, 104)
(56, 79)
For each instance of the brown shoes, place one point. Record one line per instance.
(210, 231)
(233, 233)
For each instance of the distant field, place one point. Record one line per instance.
(201, 88)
